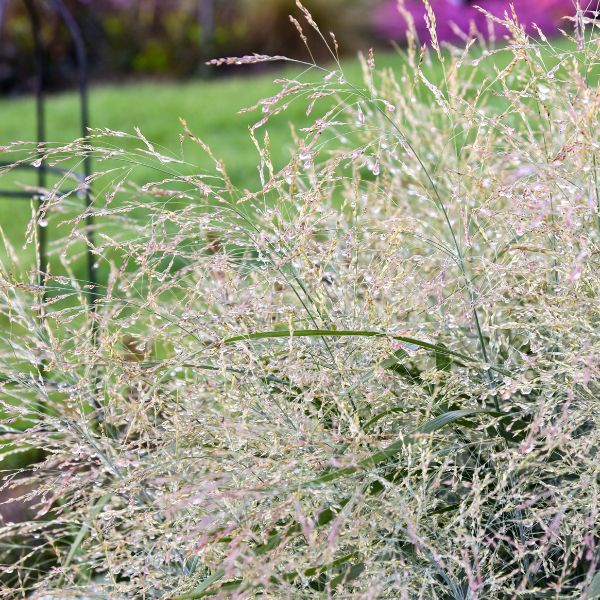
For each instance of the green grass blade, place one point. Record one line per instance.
(452, 416)
(302, 333)
(96, 510)
(200, 591)
(396, 447)
(373, 420)
(443, 362)
(350, 573)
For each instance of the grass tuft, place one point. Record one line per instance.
(373, 376)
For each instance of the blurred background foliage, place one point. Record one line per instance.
(173, 38)
(167, 38)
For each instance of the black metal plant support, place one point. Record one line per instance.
(42, 169)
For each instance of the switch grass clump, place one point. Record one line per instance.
(373, 375)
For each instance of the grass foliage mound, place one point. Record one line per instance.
(374, 377)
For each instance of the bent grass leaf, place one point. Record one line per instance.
(353, 572)
(443, 362)
(199, 592)
(443, 510)
(349, 573)
(397, 446)
(394, 363)
(454, 415)
(373, 420)
(395, 359)
(302, 333)
(95, 511)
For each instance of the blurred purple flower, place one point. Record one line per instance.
(547, 14)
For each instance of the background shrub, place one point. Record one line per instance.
(456, 16)
(162, 37)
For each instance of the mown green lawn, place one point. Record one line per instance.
(210, 108)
